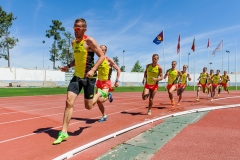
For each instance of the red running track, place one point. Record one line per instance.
(29, 125)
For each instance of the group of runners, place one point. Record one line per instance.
(87, 75)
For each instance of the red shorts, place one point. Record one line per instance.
(182, 85)
(151, 87)
(215, 85)
(169, 86)
(202, 85)
(224, 84)
(105, 85)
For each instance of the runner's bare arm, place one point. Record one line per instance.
(189, 78)
(166, 74)
(113, 64)
(145, 75)
(95, 48)
(160, 75)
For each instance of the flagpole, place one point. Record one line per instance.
(208, 55)
(179, 55)
(164, 61)
(222, 55)
(236, 63)
(194, 61)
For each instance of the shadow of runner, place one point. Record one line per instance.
(88, 121)
(158, 107)
(133, 113)
(54, 133)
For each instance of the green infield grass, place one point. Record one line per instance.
(10, 92)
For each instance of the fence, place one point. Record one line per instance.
(51, 78)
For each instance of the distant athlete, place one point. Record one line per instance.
(224, 84)
(152, 75)
(182, 84)
(209, 83)
(216, 82)
(104, 81)
(173, 77)
(202, 82)
(84, 78)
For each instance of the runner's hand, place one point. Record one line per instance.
(64, 68)
(90, 73)
(116, 84)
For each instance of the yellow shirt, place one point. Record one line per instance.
(172, 76)
(104, 71)
(216, 79)
(203, 78)
(224, 79)
(210, 78)
(84, 60)
(152, 72)
(184, 78)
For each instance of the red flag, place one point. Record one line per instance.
(178, 45)
(193, 45)
(208, 44)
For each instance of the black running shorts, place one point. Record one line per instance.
(88, 84)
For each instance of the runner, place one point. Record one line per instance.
(173, 77)
(182, 85)
(209, 83)
(225, 79)
(216, 82)
(152, 75)
(84, 48)
(104, 81)
(202, 82)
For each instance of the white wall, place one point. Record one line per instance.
(17, 75)
(58, 78)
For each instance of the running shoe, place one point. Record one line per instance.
(103, 94)
(110, 97)
(104, 118)
(228, 91)
(61, 137)
(211, 99)
(197, 99)
(172, 103)
(218, 95)
(149, 112)
(178, 104)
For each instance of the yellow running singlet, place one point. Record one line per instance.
(104, 71)
(216, 79)
(84, 60)
(152, 72)
(172, 76)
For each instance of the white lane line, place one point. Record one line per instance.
(88, 145)
(27, 135)
(59, 114)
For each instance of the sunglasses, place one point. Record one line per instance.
(77, 28)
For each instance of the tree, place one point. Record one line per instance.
(54, 32)
(6, 42)
(66, 56)
(137, 67)
(115, 59)
(122, 69)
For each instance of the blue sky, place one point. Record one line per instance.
(130, 25)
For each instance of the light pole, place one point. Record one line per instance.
(123, 68)
(43, 52)
(210, 65)
(228, 59)
(188, 61)
(43, 64)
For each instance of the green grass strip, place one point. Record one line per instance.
(11, 92)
